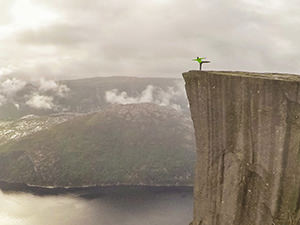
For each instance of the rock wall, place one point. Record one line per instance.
(247, 129)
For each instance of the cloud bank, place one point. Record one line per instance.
(150, 94)
(147, 38)
(42, 97)
(25, 209)
(10, 87)
(50, 85)
(40, 101)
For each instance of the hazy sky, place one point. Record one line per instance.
(80, 38)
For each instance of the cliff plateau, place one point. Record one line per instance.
(247, 128)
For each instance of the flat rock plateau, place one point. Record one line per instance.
(247, 128)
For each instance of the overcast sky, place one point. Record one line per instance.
(83, 38)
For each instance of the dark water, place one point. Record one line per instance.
(126, 206)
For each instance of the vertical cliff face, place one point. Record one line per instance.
(247, 128)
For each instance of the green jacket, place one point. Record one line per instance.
(199, 60)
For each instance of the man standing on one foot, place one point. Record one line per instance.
(200, 61)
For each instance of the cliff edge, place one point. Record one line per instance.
(247, 128)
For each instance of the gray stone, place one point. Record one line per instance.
(247, 128)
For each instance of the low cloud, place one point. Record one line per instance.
(7, 70)
(117, 97)
(41, 97)
(51, 85)
(26, 209)
(10, 87)
(40, 102)
(17, 105)
(3, 100)
(150, 94)
(167, 97)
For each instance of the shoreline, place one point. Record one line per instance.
(7, 187)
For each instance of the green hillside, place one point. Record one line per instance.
(140, 144)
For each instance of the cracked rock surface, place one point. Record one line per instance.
(247, 128)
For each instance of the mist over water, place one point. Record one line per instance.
(125, 207)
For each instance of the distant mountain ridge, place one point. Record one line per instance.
(83, 95)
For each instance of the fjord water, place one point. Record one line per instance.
(126, 207)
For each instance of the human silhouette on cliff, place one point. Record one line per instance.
(200, 61)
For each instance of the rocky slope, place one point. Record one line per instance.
(248, 136)
(139, 144)
(16, 129)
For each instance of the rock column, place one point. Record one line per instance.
(247, 129)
